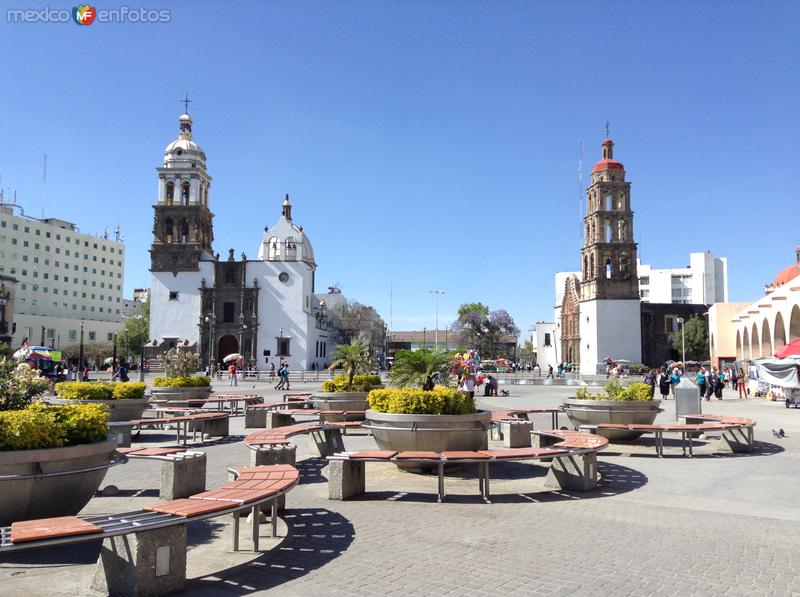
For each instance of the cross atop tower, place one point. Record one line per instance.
(186, 101)
(607, 127)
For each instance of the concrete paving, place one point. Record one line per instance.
(710, 525)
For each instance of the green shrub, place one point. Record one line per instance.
(19, 384)
(79, 390)
(614, 391)
(361, 383)
(43, 426)
(128, 390)
(195, 381)
(408, 401)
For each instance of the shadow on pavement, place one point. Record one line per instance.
(311, 470)
(316, 537)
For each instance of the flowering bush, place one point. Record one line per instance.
(42, 426)
(195, 381)
(407, 401)
(77, 390)
(19, 385)
(361, 383)
(614, 391)
(180, 363)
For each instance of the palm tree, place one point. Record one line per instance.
(420, 368)
(352, 358)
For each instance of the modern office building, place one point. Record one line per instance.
(703, 282)
(64, 277)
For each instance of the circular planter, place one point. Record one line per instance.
(180, 396)
(45, 496)
(624, 412)
(429, 433)
(126, 409)
(340, 401)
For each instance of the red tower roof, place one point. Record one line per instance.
(786, 275)
(608, 162)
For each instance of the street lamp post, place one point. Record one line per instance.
(681, 322)
(424, 332)
(210, 341)
(80, 352)
(114, 356)
(436, 337)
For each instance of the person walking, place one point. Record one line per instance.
(740, 385)
(549, 372)
(675, 379)
(279, 385)
(233, 377)
(650, 380)
(285, 376)
(664, 384)
(468, 384)
(700, 379)
(85, 373)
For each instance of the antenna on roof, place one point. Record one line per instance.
(44, 184)
(580, 193)
(117, 234)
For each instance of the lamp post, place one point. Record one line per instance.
(141, 361)
(681, 322)
(424, 331)
(80, 353)
(114, 357)
(436, 336)
(210, 342)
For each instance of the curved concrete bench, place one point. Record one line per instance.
(573, 456)
(271, 446)
(513, 427)
(144, 551)
(737, 432)
(183, 472)
(233, 400)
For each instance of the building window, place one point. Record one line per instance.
(110, 336)
(644, 281)
(51, 333)
(92, 336)
(72, 335)
(283, 347)
(228, 312)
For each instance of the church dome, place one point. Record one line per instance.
(286, 241)
(787, 275)
(607, 163)
(184, 148)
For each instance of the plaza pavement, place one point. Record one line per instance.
(712, 525)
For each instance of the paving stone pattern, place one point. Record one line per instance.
(712, 525)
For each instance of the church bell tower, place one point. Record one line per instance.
(182, 227)
(608, 255)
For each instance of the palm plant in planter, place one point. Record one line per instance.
(52, 458)
(180, 384)
(348, 391)
(619, 405)
(434, 418)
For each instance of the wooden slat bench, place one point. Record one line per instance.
(211, 423)
(144, 551)
(737, 433)
(232, 402)
(183, 472)
(271, 446)
(573, 456)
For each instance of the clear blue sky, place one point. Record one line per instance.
(424, 144)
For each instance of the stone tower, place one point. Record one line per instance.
(608, 255)
(610, 309)
(182, 227)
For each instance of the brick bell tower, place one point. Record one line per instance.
(182, 226)
(608, 255)
(610, 309)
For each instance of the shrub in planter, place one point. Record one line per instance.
(42, 426)
(614, 391)
(19, 385)
(439, 401)
(180, 363)
(128, 390)
(196, 381)
(361, 383)
(78, 390)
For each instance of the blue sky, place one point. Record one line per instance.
(424, 144)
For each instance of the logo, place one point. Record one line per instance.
(83, 14)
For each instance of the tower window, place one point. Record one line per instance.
(608, 202)
(168, 230)
(185, 193)
(170, 192)
(228, 312)
(184, 231)
(608, 267)
(608, 233)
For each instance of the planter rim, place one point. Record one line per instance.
(89, 401)
(579, 402)
(62, 453)
(480, 415)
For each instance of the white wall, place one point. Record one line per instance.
(180, 318)
(282, 306)
(546, 355)
(610, 328)
(62, 328)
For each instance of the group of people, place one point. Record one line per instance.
(710, 382)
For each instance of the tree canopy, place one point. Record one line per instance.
(354, 320)
(696, 339)
(483, 329)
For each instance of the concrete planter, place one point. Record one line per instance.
(127, 409)
(340, 401)
(180, 396)
(433, 433)
(39, 496)
(625, 412)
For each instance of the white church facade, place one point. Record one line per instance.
(264, 309)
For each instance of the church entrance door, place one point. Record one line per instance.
(227, 344)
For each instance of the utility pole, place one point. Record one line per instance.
(436, 335)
